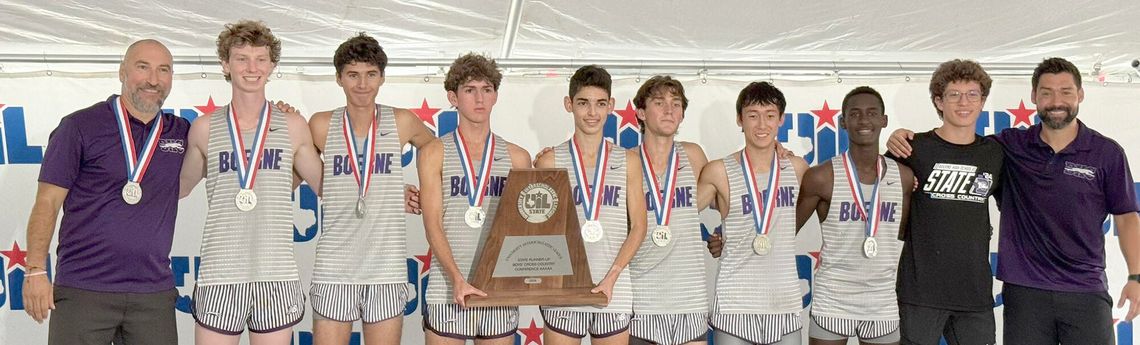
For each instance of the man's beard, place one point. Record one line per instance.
(145, 106)
(1055, 123)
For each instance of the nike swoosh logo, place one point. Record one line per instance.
(498, 159)
(890, 183)
(785, 167)
(384, 134)
(615, 167)
(681, 167)
(271, 129)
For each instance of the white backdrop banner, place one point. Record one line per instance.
(529, 113)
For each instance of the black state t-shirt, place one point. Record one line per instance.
(945, 257)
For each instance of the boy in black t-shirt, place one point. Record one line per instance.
(945, 287)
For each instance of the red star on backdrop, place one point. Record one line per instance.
(425, 113)
(1022, 115)
(208, 108)
(426, 260)
(15, 256)
(532, 334)
(815, 255)
(826, 116)
(627, 115)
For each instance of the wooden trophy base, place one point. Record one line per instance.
(559, 298)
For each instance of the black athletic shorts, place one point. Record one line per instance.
(925, 326)
(1035, 316)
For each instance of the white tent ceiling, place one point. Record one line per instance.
(39, 35)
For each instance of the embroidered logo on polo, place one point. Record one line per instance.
(172, 145)
(1080, 170)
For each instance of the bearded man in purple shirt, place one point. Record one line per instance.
(1062, 180)
(114, 168)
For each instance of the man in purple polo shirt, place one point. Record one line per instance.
(114, 168)
(1061, 180)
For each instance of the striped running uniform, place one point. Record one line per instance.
(722, 338)
(670, 299)
(578, 321)
(263, 307)
(758, 297)
(449, 320)
(441, 315)
(577, 324)
(848, 285)
(873, 332)
(670, 329)
(240, 248)
(362, 258)
(368, 303)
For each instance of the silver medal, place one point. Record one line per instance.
(762, 245)
(132, 192)
(592, 231)
(474, 217)
(360, 208)
(245, 200)
(662, 236)
(870, 247)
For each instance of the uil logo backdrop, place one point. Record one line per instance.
(14, 262)
(14, 148)
(821, 127)
(621, 127)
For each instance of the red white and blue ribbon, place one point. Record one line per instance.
(247, 167)
(762, 217)
(138, 160)
(662, 194)
(870, 215)
(591, 194)
(476, 180)
(369, 162)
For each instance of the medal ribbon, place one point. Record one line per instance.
(369, 163)
(662, 195)
(475, 183)
(591, 194)
(762, 219)
(136, 164)
(247, 167)
(870, 216)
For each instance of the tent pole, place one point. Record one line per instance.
(512, 29)
(518, 65)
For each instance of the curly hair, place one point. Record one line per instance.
(247, 32)
(958, 70)
(361, 49)
(472, 67)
